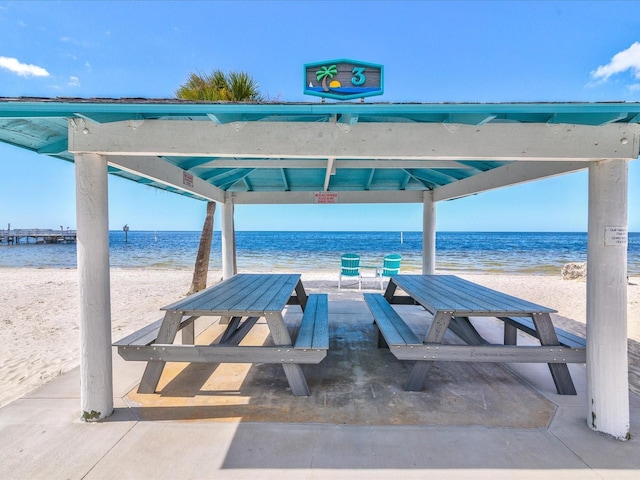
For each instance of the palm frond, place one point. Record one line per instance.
(218, 86)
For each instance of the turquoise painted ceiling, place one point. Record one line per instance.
(40, 125)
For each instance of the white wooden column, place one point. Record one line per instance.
(428, 234)
(607, 368)
(228, 239)
(96, 375)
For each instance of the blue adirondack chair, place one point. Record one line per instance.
(390, 266)
(350, 269)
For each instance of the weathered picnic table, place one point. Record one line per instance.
(241, 300)
(452, 300)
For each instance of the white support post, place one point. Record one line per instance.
(428, 234)
(228, 239)
(607, 368)
(96, 375)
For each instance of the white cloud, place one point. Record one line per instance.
(74, 82)
(623, 61)
(22, 69)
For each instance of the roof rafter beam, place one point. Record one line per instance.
(510, 174)
(330, 170)
(348, 118)
(54, 148)
(285, 180)
(370, 179)
(434, 176)
(216, 176)
(423, 181)
(594, 119)
(405, 181)
(160, 171)
(469, 118)
(413, 141)
(189, 163)
(320, 163)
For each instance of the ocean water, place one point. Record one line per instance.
(490, 252)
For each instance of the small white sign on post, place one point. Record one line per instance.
(615, 236)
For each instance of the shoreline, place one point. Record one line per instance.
(39, 338)
(528, 253)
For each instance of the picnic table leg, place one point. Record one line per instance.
(301, 294)
(510, 334)
(293, 371)
(418, 374)
(189, 334)
(166, 334)
(391, 289)
(559, 371)
(463, 328)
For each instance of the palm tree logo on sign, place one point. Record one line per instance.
(343, 79)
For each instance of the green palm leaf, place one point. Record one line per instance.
(322, 73)
(220, 87)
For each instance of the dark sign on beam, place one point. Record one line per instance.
(343, 79)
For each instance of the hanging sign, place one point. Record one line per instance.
(326, 197)
(343, 79)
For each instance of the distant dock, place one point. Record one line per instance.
(36, 235)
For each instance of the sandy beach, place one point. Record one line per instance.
(39, 318)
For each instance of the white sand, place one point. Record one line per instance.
(39, 315)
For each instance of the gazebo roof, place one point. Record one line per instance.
(289, 152)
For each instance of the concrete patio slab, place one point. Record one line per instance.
(186, 438)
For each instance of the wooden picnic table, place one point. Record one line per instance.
(240, 302)
(452, 300)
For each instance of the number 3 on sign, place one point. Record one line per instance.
(358, 76)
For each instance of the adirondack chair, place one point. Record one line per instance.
(350, 269)
(390, 266)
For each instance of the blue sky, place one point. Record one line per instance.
(470, 51)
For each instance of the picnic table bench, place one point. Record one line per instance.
(451, 301)
(243, 299)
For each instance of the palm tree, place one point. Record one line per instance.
(324, 73)
(219, 87)
(201, 269)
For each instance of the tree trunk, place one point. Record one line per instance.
(204, 250)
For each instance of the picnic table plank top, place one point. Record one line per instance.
(451, 293)
(240, 295)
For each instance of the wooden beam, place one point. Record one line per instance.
(300, 198)
(490, 353)
(510, 174)
(322, 164)
(166, 173)
(222, 354)
(365, 140)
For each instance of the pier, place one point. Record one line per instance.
(36, 235)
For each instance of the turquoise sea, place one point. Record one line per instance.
(490, 252)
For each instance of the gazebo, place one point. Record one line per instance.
(284, 153)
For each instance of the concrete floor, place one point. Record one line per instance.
(377, 437)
